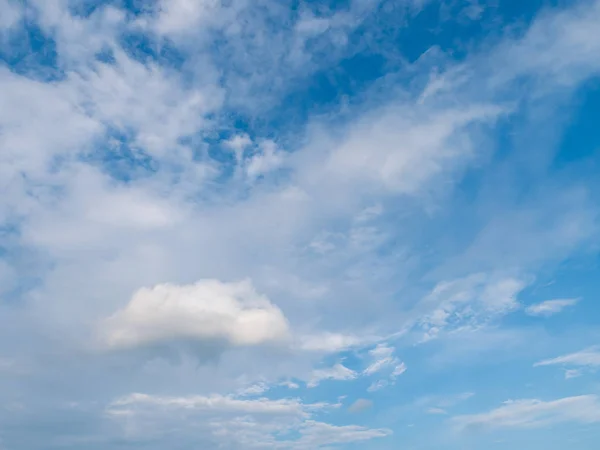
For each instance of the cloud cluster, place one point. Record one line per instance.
(255, 423)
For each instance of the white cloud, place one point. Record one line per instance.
(178, 16)
(383, 356)
(572, 373)
(399, 370)
(268, 160)
(318, 434)
(469, 302)
(383, 360)
(290, 384)
(238, 422)
(437, 411)
(550, 307)
(159, 120)
(338, 372)
(12, 12)
(378, 385)
(329, 342)
(209, 311)
(589, 357)
(534, 413)
(559, 47)
(253, 390)
(238, 144)
(401, 150)
(217, 403)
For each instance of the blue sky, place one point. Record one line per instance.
(299, 225)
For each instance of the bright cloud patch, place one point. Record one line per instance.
(586, 358)
(383, 360)
(339, 372)
(550, 307)
(208, 311)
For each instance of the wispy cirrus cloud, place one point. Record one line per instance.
(534, 413)
(589, 357)
(550, 307)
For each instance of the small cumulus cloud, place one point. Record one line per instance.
(208, 312)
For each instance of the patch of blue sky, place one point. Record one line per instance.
(116, 154)
(26, 49)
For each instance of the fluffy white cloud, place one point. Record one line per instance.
(534, 413)
(550, 307)
(208, 311)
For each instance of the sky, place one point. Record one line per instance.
(302, 224)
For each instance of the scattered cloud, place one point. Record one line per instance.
(252, 423)
(589, 357)
(550, 307)
(534, 413)
(382, 356)
(338, 372)
(440, 405)
(318, 434)
(572, 373)
(469, 303)
(383, 360)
